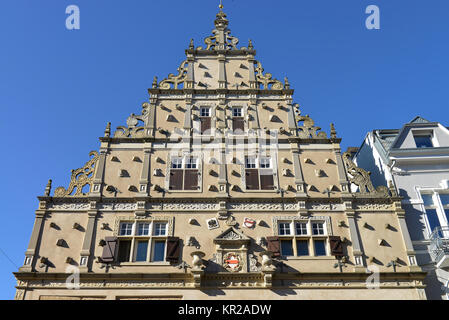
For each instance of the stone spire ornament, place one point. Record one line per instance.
(191, 45)
(250, 45)
(48, 188)
(333, 132)
(107, 131)
(154, 82)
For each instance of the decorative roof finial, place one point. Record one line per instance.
(333, 132)
(48, 188)
(154, 82)
(250, 45)
(191, 45)
(221, 5)
(287, 84)
(107, 131)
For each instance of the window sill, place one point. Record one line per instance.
(157, 263)
(310, 258)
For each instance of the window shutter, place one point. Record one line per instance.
(175, 179)
(191, 180)
(336, 246)
(109, 249)
(252, 179)
(274, 245)
(238, 125)
(173, 249)
(205, 124)
(267, 182)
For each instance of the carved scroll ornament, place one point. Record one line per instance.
(80, 178)
(267, 79)
(175, 80)
(308, 130)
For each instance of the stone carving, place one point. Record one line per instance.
(68, 206)
(175, 80)
(308, 130)
(221, 38)
(255, 206)
(231, 235)
(267, 79)
(79, 178)
(133, 131)
(361, 178)
(190, 206)
(253, 263)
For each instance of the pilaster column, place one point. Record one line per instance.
(299, 180)
(411, 254)
(30, 254)
(355, 239)
(86, 255)
(343, 178)
(146, 169)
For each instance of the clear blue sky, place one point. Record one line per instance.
(59, 88)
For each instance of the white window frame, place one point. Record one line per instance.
(237, 112)
(205, 112)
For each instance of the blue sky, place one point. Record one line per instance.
(59, 88)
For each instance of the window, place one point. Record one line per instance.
(286, 248)
(250, 163)
(191, 163)
(205, 120)
(317, 228)
(302, 242)
(265, 163)
(126, 229)
(143, 229)
(160, 229)
(205, 112)
(423, 139)
(436, 208)
(320, 247)
(301, 228)
(184, 174)
(176, 163)
(237, 112)
(258, 173)
(284, 228)
(302, 247)
(146, 244)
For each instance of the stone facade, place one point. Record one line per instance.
(220, 187)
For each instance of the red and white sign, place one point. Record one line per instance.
(249, 223)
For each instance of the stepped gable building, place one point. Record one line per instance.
(220, 188)
(416, 158)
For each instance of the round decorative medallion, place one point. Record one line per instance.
(232, 262)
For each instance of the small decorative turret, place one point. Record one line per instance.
(333, 132)
(155, 82)
(250, 45)
(107, 131)
(287, 84)
(48, 188)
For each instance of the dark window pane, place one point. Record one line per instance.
(159, 251)
(423, 141)
(432, 217)
(320, 247)
(303, 247)
(191, 180)
(252, 179)
(286, 248)
(444, 199)
(124, 250)
(427, 199)
(176, 179)
(142, 248)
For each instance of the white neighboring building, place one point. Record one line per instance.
(416, 159)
